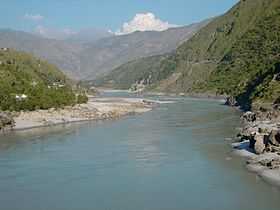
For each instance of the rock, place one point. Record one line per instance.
(230, 101)
(270, 163)
(274, 149)
(249, 117)
(6, 120)
(252, 141)
(148, 102)
(51, 110)
(260, 143)
(274, 137)
(277, 77)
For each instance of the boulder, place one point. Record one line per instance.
(6, 120)
(230, 101)
(260, 143)
(277, 77)
(249, 117)
(273, 163)
(274, 137)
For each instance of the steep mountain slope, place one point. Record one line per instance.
(237, 54)
(103, 56)
(29, 83)
(250, 71)
(64, 55)
(198, 57)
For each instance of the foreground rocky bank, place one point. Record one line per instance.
(259, 142)
(95, 109)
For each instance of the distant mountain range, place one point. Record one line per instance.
(89, 35)
(90, 53)
(106, 54)
(63, 54)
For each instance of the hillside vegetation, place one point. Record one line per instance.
(200, 56)
(27, 83)
(250, 70)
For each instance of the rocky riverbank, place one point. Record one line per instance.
(259, 142)
(95, 109)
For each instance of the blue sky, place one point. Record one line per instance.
(108, 14)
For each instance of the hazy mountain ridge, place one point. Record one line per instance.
(89, 35)
(121, 49)
(64, 55)
(87, 60)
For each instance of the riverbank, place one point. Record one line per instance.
(95, 109)
(259, 143)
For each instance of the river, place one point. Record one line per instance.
(175, 157)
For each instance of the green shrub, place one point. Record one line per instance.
(82, 98)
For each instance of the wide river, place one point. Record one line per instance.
(175, 157)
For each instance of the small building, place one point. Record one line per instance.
(4, 49)
(21, 97)
(34, 83)
(58, 85)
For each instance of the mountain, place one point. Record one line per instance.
(28, 83)
(199, 57)
(236, 54)
(106, 54)
(89, 35)
(82, 36)
(64, 55)
(147, 70)
(250, 70)
(80, 59)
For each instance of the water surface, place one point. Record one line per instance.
(174, 157)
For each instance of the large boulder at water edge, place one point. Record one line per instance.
(260, 143)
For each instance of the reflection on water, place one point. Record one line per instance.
(175, 157)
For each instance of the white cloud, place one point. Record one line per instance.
(144, 22)
(53, 33)
(34, 17)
